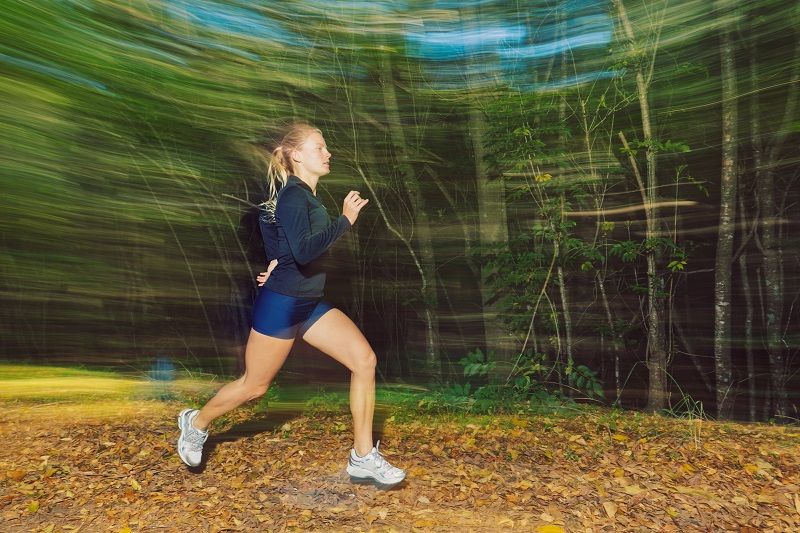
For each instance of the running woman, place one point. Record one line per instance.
(297, 231)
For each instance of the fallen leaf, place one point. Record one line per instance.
(763, 465)
(694, 492)
(738, 500)
(549, 528)
(16, 475)
(633, 490)
(610, 508)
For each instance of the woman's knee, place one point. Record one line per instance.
(255, 391)
(365, 362)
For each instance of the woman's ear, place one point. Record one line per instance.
(295, 155)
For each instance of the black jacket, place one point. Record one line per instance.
(297, 236)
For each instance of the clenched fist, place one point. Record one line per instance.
(353, 203)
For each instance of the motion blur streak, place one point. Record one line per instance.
(527, 163)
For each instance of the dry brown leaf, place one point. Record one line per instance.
(633, 490)
(549, 529)
(16, 475)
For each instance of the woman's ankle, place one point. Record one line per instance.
(360, 452)
(196, 424)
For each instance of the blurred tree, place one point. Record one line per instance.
(726, 13)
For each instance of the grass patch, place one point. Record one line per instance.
(47, 384)
(11, 371)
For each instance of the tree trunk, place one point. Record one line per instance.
(562, 289)
(748, 318)
(422, 228)
(616, 342)
(492, 231)
(770, 241)
(726, 231)
(773, 297)
(656, 338)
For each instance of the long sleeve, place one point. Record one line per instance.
(293, 216)
(269, 231)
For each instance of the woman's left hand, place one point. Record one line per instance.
(263, 276)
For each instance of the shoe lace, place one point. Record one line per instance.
(195, 438)
(381, 463)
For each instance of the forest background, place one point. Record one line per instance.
(577, 199)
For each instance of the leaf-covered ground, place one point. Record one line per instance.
(110, 465)
(85, 450)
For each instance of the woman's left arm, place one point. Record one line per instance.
(263, 276)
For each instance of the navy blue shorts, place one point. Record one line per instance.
(283, 316)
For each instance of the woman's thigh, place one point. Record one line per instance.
(264, 357)
(336, 335)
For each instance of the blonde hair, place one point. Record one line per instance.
(280, 162)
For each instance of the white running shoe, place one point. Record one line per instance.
(190, 443)
(374, 466)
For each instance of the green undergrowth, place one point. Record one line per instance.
(22, 383)
(327, 407)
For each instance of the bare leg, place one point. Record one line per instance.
(264, 356)
(336, 335)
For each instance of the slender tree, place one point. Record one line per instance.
(656, 338)
(421, 223)
(727, 215)
(767, 162)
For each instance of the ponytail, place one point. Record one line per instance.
(280, 167)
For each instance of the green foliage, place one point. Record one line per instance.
(676, 265)
(627, 250)
(523, 388)
(692, 412)
(672, 147)
(326, 402)
(476, 364)
(272, 395)
(449, 399)
(586, 380)
(681, 175)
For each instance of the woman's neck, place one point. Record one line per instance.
(309, 180)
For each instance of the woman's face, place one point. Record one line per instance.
(313, 157)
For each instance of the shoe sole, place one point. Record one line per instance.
(362, 475)
(374, 483)
(180, 439)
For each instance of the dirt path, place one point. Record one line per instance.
(111, 466)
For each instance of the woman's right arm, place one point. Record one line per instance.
(292, 215)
